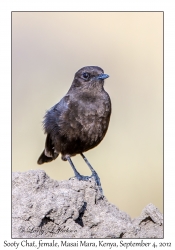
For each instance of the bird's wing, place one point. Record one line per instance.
(53, 116)
(51, 124)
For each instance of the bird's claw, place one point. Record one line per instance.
(89, 178)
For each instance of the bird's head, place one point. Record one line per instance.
(89, 78)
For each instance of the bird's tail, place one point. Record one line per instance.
(44, 158)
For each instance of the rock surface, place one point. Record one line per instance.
(46, 208)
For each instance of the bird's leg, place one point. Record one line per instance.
(77, 174)
(94, 173)
(86, 178)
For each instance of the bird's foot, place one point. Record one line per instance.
(82, 177)
(89, 178)
(96, 177)
(97, 180)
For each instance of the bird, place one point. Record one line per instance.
(79, 121)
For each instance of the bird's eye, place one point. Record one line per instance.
(86, 75)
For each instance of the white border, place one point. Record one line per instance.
(5, 93)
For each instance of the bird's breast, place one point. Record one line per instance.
(89, 119)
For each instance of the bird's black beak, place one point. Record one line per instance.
(102, 76)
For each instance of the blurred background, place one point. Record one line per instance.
(47, 49)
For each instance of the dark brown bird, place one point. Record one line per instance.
(79, 121)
